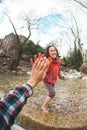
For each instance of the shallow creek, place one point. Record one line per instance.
(68, 110)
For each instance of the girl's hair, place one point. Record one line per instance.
(46, 52)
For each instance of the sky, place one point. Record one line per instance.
(54, 24)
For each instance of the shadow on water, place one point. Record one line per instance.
(67, 111)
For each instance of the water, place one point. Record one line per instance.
(71, 97)
(67, 110)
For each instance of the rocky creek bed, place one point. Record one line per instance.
(68, 110)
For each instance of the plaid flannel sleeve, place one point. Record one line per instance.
(12, 103)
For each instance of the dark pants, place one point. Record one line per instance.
(50, 88)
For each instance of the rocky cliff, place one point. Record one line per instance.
(8, 53)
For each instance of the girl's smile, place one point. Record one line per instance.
(52, 52)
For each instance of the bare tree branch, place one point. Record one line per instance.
(13, 27)
(80, 3)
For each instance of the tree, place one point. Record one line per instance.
(20, 43)
(81, 3)
(31, 49)
(74, 59)
(31, 21)
(74, 29)
(76, 34)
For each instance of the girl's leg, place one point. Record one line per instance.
(51, 90)
(48, 99)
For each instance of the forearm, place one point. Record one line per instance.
(12, 103)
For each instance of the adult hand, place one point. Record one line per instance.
(38, 70)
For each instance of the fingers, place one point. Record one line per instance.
(38, 70)
(39, 55)
(35, 58)
(42, 55)
(41, 64)
(35, 64)
(31, 62)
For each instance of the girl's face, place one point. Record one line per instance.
(52, 52)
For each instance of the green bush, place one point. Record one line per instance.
(31, 49)
(74, 59)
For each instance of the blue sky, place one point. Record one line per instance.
(53, 27)
(49, 22)
(1, 1)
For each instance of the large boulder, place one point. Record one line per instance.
(83, 68)
(9, 54)
(9, 43)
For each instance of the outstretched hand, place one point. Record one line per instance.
(39, 66)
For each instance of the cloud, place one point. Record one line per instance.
(51, 27)
(16, 8)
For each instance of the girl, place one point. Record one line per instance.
(53, 70)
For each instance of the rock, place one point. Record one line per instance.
(28, 73)
(22, 69)
(83, 68)
(72, 74)
(84, 77)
